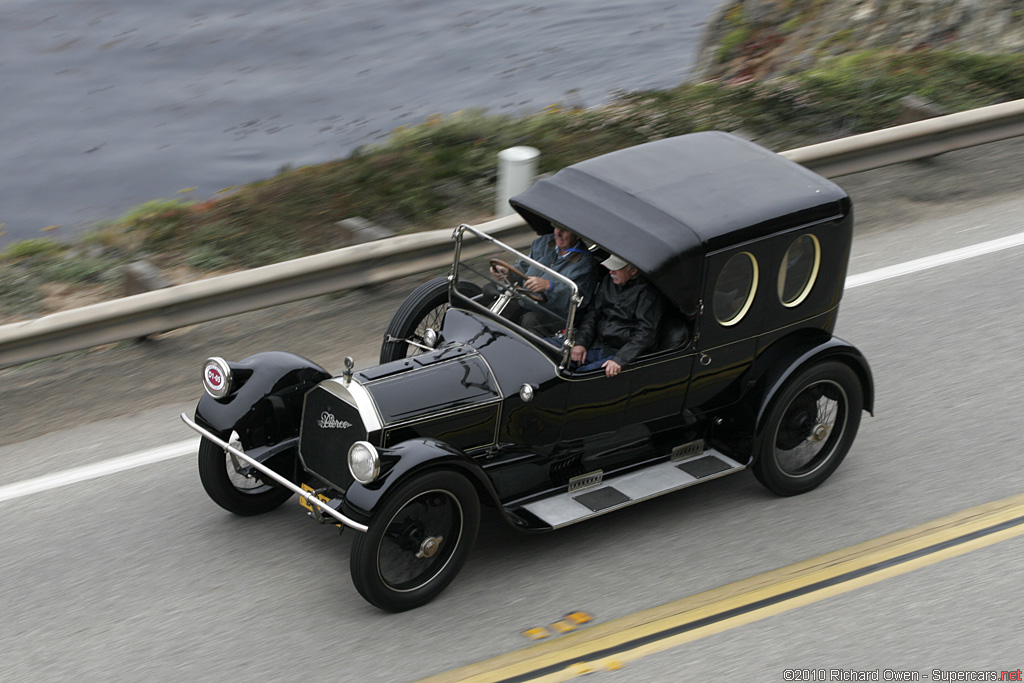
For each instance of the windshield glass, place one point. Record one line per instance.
(509, 284)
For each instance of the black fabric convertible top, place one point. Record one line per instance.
(663, 205)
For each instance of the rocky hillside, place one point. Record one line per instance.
(761, 39)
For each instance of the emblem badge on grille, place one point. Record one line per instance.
(328, 421)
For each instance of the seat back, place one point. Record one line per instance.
(674, 331)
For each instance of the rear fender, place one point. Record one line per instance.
(737, 430)
(409, 459)
(834, 349)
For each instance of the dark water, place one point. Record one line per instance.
(109, 103)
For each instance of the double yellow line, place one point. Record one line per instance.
(610, 645)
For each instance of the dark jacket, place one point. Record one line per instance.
(622, 320)
(578, 265)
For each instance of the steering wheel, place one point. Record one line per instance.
(519, 289)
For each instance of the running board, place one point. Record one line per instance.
(618, 492)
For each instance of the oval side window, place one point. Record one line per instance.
(799, 270)
(735, 288)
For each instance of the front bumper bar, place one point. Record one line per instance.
(266, 471)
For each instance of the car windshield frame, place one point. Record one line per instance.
(487, 243)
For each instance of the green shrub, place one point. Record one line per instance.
(791, 24)
(161, 221)
(732, 41)
(19, 292)
(82, 270)
(207, 258)
(38, 248)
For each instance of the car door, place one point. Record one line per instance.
(728, 327)
(595, 420)
(659, 386)
(611, 421)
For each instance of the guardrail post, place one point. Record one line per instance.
(916, 108)
(517, 168)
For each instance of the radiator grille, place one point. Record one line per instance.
(330, 426)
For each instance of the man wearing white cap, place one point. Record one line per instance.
(621, 322)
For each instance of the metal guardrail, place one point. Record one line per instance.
(912, 140)
(136, 316)
(385, 260)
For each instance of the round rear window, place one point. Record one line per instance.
(734, 289)
(799, 270)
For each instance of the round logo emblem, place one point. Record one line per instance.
(214, 377)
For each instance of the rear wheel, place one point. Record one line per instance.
(810, 428)
(417, 542)
(240, 490)
(422, 310)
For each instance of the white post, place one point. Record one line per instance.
(517, 168)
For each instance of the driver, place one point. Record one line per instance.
(563, 252)
(622, 323)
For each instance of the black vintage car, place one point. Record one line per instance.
(471, 408)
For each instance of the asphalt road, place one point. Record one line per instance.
(137, 575)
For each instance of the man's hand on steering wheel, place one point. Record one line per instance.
(497, 266)
(537, 285)
(499, 272)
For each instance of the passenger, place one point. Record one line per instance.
(622, 321)
(563, 253)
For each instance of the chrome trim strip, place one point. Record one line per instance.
(355, 394)
(494, 377)
(310, 497)
(447, 413)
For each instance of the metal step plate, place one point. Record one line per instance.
(618, 492)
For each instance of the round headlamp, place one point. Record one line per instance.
(217, 377)
(363, 462)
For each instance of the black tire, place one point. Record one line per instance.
(233, 491)
(810, 428)
(424, 308)
(417, 542)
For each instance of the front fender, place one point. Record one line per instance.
(409, 458)
(265, 405)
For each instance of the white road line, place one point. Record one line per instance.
(945, 258)
(100, 469)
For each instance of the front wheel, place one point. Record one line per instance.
(810, 428)
(417, 542)
(236, 489)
